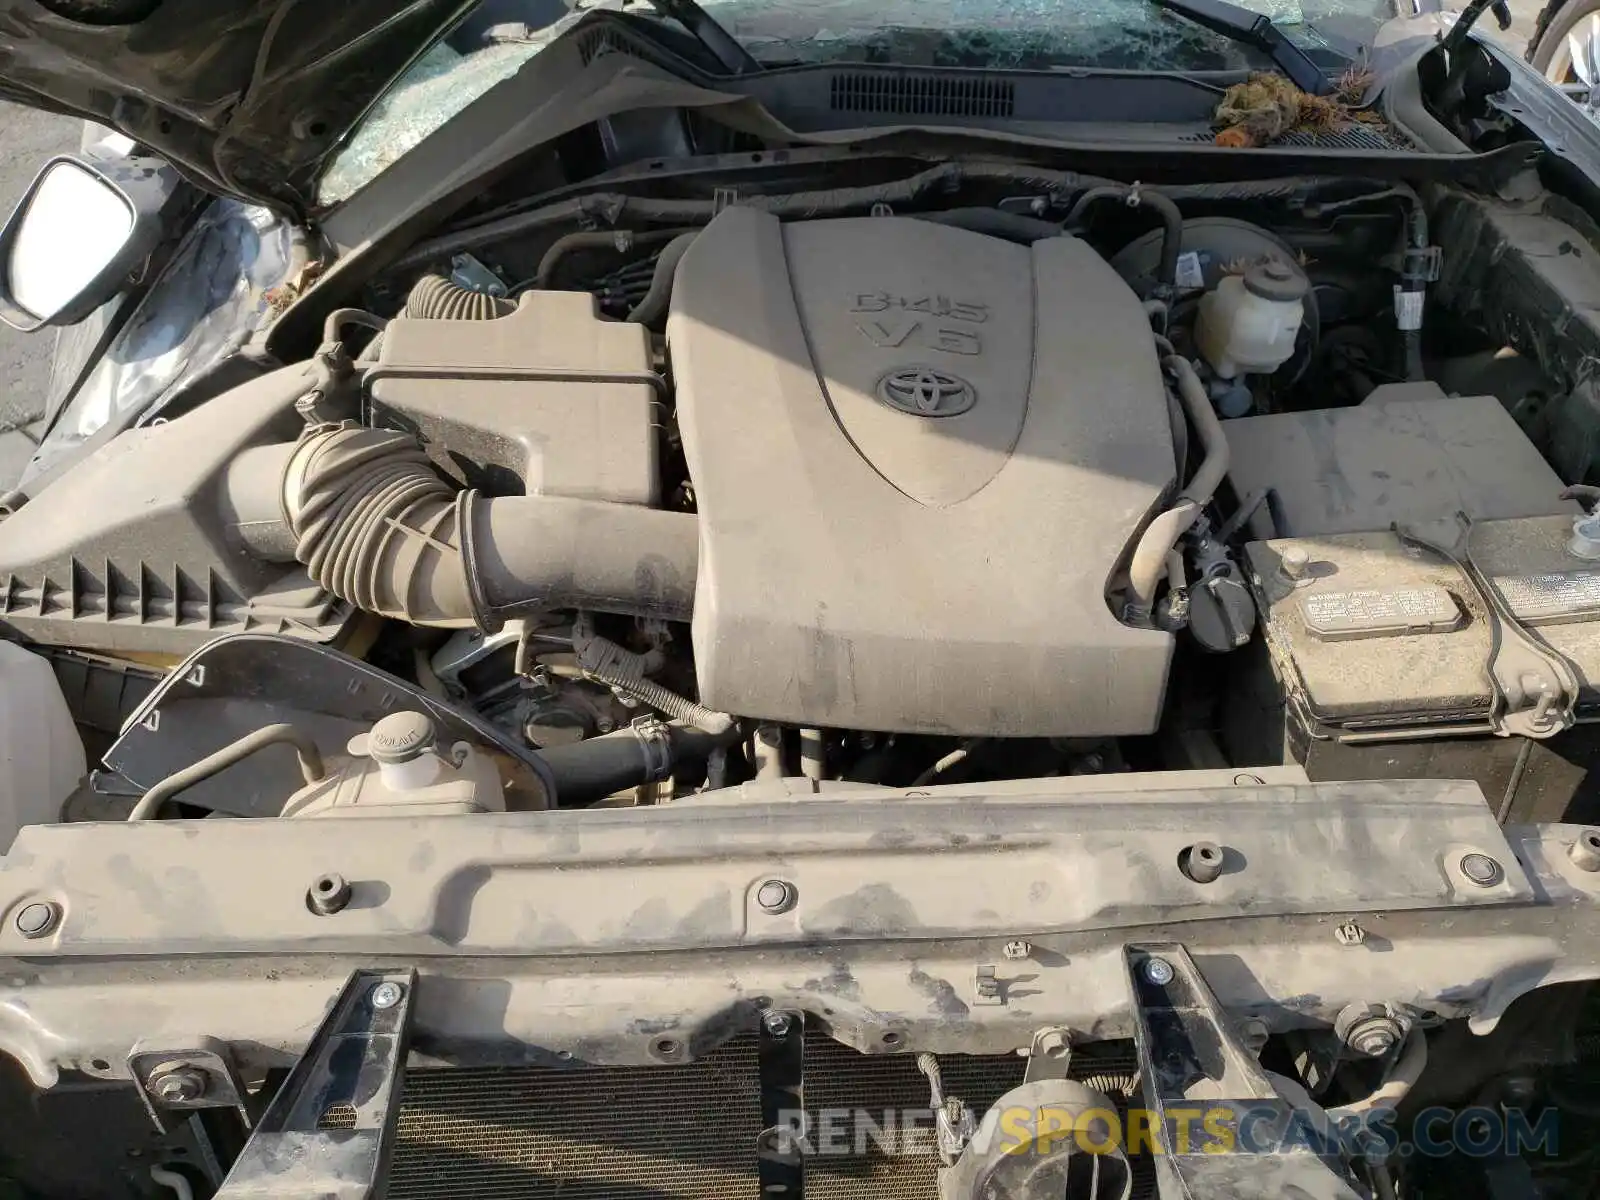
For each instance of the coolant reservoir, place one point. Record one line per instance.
(397, 770)
(1248, 324)
(41, 755)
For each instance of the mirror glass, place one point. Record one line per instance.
(74, 228)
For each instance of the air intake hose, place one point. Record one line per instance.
(435, 298)
(376, 526)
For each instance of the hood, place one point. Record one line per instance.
(248, 97)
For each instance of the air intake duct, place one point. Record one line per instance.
(375, 525)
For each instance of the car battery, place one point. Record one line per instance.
(1376, 658)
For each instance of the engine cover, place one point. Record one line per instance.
(918, 453)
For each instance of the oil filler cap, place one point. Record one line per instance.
(401, 737)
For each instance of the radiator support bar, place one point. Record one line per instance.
(355, 1060)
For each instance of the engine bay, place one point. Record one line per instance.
(963, 634)
(945, 495)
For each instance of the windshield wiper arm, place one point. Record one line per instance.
(722, 44)
(1254, 29)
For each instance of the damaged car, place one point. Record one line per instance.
(801, 598)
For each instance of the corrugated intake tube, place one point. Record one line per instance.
(435, 298)
(376, 526)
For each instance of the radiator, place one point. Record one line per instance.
(686, 1132)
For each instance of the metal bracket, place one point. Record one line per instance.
(1535, 689)
(781, 1055)
(1424, 263)
(1050, 1055)
(987, 987)
(470, 273)
(175, 1082)
(354, 1063)
(1221, 1126)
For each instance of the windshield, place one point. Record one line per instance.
(498, 36)
(999, 34)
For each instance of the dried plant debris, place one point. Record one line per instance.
(1265, 107)
(280, 298)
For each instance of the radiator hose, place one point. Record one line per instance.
(376, 526)
(591, 770)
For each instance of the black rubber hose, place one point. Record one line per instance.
(435, 298)
(996, 222)
(333, 327)
(1414, 271)
(586, 772)
(618, 240)
(618, 207)
(1414, 279)
(1141, 197)
(653, 308)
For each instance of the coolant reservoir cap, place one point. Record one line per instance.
(400, 737)
(1274, 279)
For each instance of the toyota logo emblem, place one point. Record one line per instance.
(925, 392)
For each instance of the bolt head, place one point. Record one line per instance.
(178, 1085)
(38, 920)
(1374, 1036)
(776, 896)
(1158, 971)
(387, 995)
(1348, 933)
(1482, 870)
(1054, 1044)
(777, 1024)
(1253, 1032)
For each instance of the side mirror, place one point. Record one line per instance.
(70, 246)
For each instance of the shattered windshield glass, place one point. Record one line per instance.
(498, 36)
(1032, 34)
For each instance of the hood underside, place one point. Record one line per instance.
(248, 96)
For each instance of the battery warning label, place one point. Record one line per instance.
(1560, 596)
(1378, 612)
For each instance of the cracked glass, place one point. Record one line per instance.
(499, 36)
(1027, 34)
